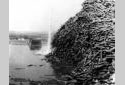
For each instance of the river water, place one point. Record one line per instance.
(26, 64)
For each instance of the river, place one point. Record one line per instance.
(26, 64)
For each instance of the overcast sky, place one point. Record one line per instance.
(41, 15)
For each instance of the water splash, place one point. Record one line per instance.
(46, 48)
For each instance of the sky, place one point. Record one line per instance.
(41, 15)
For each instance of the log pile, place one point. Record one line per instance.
(84, 47)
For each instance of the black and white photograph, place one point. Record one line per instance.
(61, 42)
